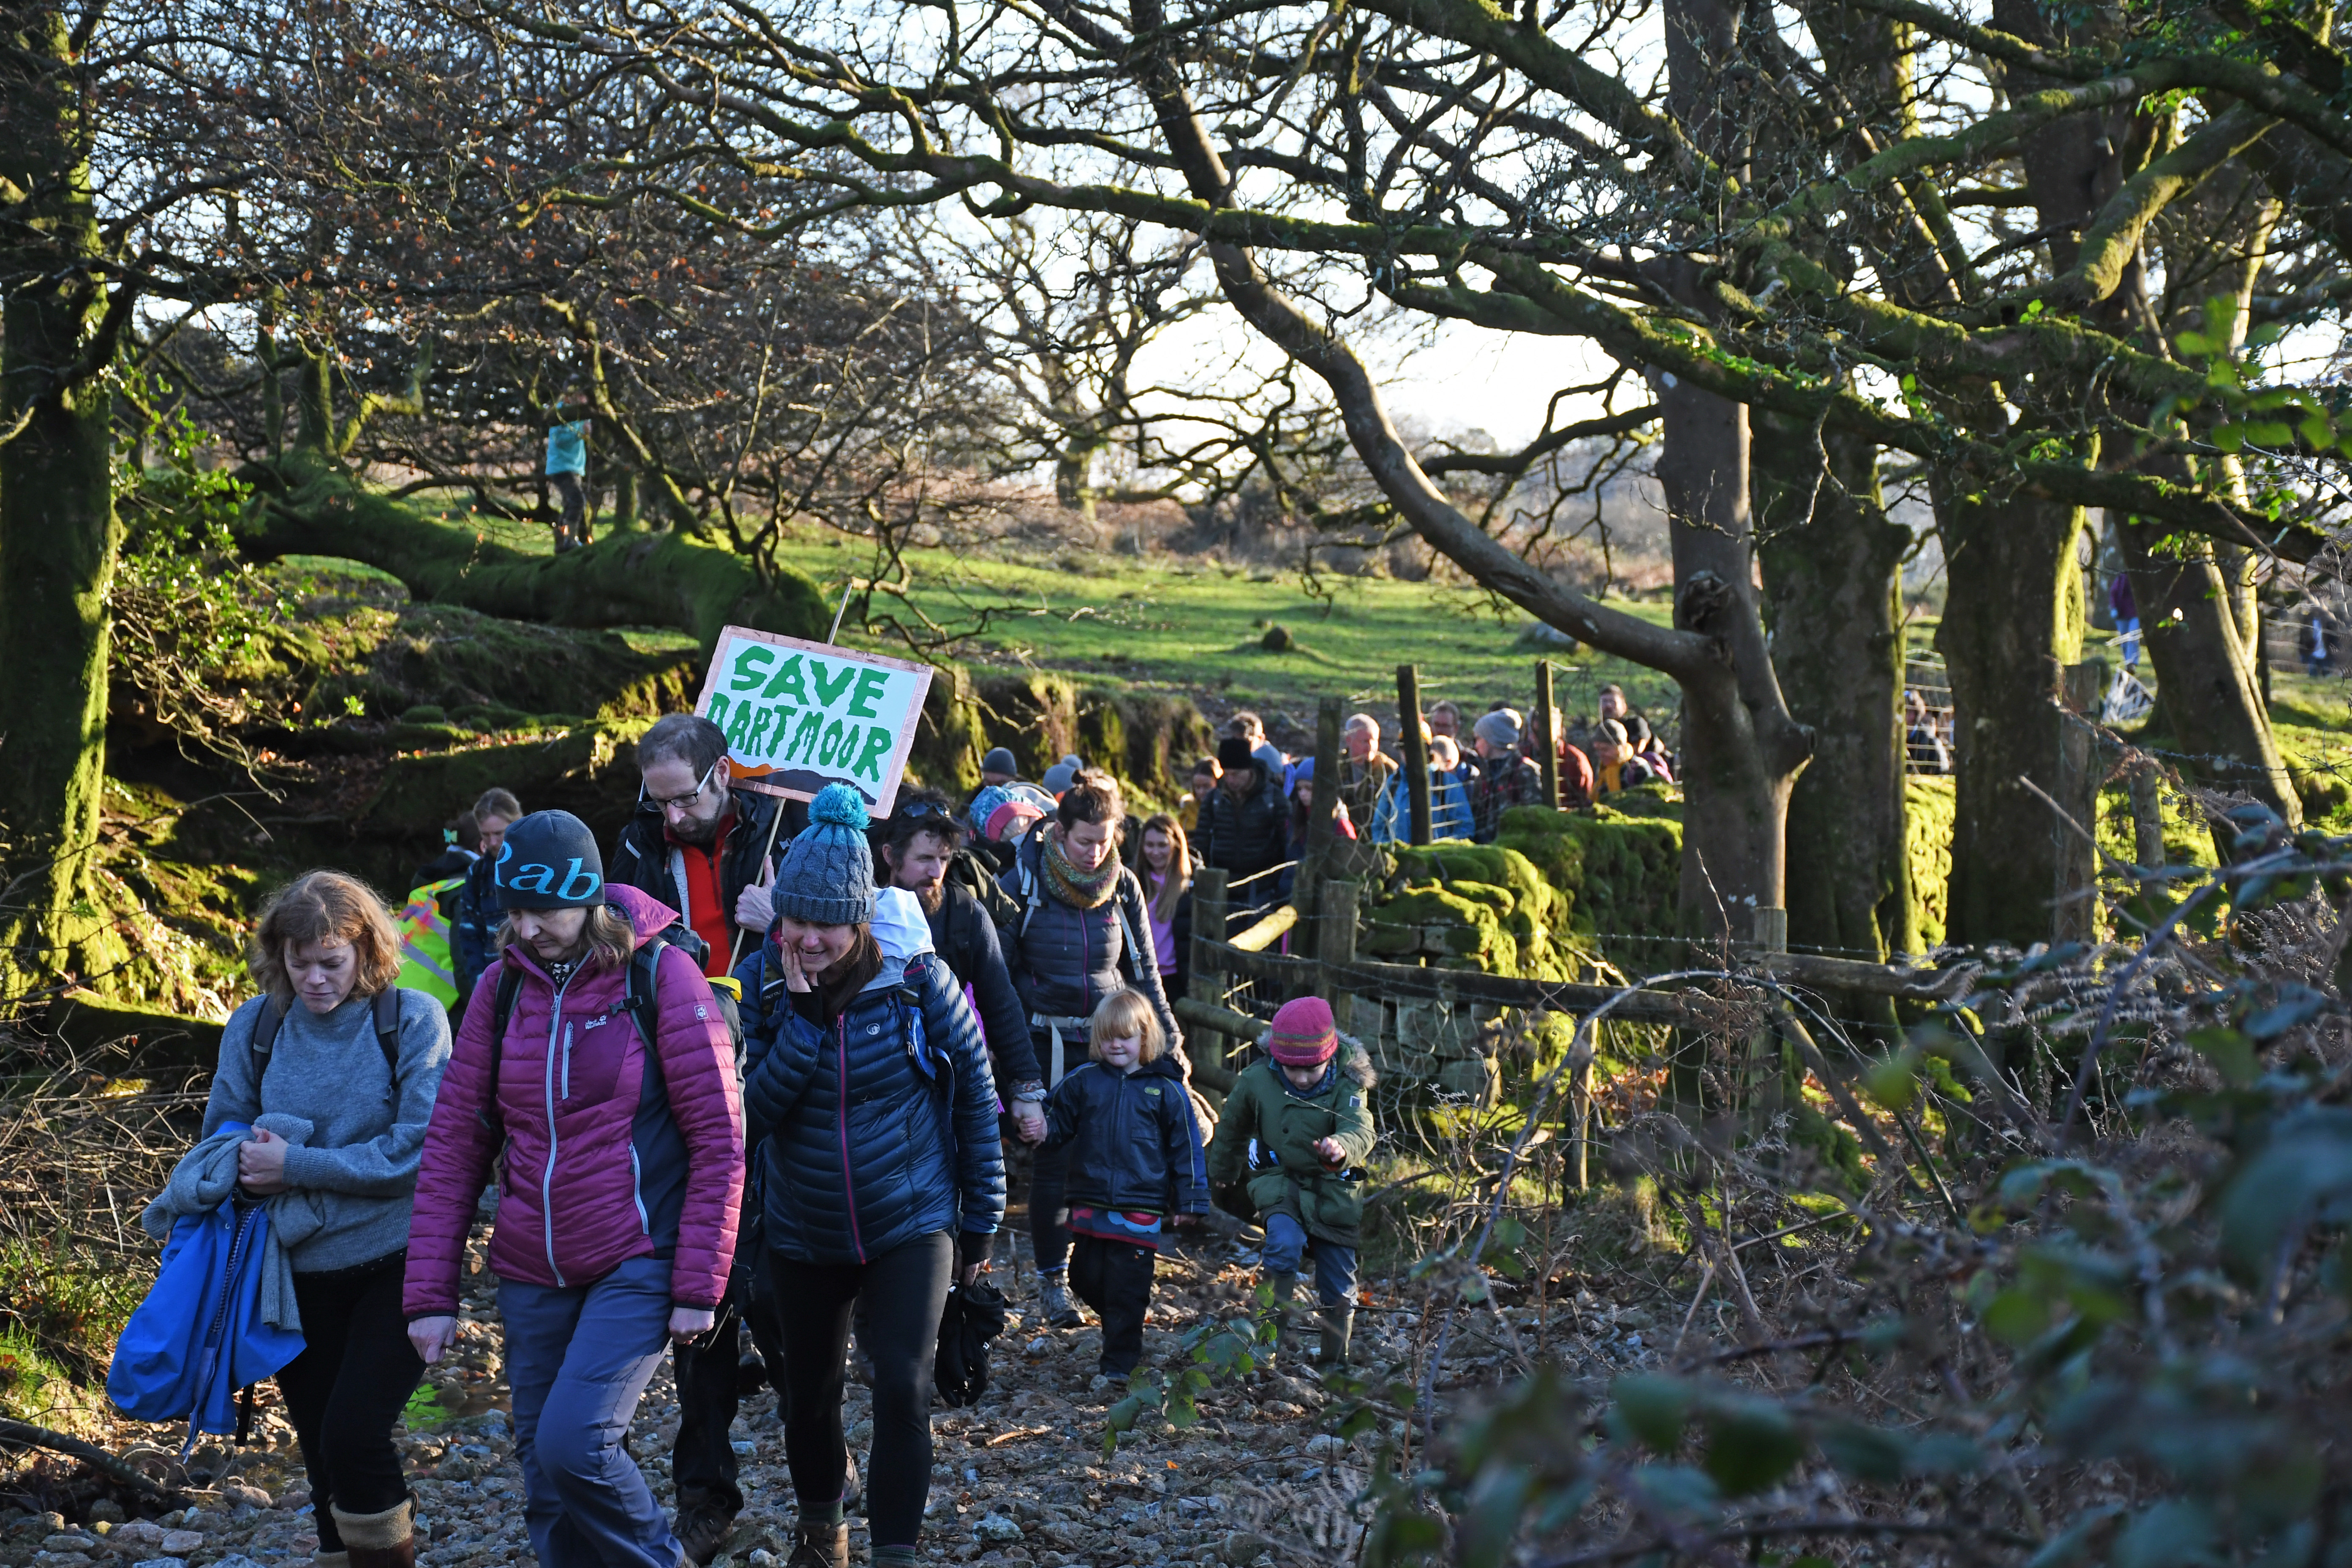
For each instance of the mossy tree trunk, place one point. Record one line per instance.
(624, 579)
(1832, 591)
(57, 534)
(2012, 616)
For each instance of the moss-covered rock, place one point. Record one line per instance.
(1927, 808)
(1620, 872)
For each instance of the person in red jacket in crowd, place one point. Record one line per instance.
(623, 1136)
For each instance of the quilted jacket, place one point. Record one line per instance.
(1132, 1139)
(881, 1127)
(605, 1161)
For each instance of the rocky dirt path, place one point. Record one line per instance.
(1021, 1479)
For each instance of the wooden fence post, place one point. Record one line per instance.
(1546, 743)
(1204, 971)
(1336, 944)
(1304, 887)
(2074, 903)
(2148, 816)
(1416, 754)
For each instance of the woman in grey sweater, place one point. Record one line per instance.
(320, 1046)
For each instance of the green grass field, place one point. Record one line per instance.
(1194, 626)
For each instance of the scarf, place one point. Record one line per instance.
(1079, 889)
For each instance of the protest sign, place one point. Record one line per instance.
(799, 715)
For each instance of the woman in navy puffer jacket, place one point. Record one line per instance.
(872, 1094)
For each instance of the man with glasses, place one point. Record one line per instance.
(695, 843)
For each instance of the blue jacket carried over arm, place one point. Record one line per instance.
(878, 1128)
(1132, 1139)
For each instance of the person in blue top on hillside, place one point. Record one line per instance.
(567, 471)
(1136, 1163)
(869, 1093)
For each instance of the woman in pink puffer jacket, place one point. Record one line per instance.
(624, 1171)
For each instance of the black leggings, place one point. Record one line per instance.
(349, 1385)
(702, 1458)
(898, 1297)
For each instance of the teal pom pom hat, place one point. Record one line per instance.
(827, 875)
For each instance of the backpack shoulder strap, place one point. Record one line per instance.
(259, 1045)
(644, 989)
(502, 1006)
(1134, 954)
(387, 1029)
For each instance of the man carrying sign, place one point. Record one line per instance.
(699, 844)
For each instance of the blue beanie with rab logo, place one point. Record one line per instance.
(549, 861)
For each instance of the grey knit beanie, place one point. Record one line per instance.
(827, 875)
(998, 761)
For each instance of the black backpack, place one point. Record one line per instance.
(264, 1038)
(641, 1004)
(968, 871)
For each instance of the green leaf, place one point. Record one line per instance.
(1653, 1409)
(2017, 1316)
(2231, 1054)
(1866, 1453)
(1750, 1444)
(1893, 1081)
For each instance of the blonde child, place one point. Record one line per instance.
(1136, 1163)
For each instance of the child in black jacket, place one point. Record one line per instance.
(1136, 1163)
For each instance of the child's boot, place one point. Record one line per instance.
(1339, 1327)
(1285, 1287)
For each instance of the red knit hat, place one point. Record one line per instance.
(1304, 1035)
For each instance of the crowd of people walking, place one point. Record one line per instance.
(761, 1071)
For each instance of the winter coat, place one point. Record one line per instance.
(1245, 837)
(1132, 1139)
(610, 1152)
(910, 1149)
(1291, 1178)
(963, 935)
(1449, 810)
(476, 924)
(644, 857)
(1068, 960)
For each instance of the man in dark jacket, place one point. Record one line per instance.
(1245, 824)
(478, 910)
(697, 844)
(914, 849)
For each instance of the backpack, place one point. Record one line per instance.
(1033, 899)
(968, 871)
(263, 1037)
(641, 1003)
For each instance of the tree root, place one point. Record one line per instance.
(25, 1434)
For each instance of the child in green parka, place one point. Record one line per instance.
(1290, 1130)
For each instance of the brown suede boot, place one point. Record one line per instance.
(820, 1546)
(386, 1539)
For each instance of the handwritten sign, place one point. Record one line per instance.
(801, 715)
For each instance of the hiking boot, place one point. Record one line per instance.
(702, 1527)
(1054, 1301)
(1339, 1328)
(1285, 1288)
(820, 1546)
(386, 1539)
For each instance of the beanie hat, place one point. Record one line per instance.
(1234, 752)
(1009, 820)
(1498, 728)
(1060, 776)
(1304, 1035)
(549, 861)
(998, 760)
(827, 875)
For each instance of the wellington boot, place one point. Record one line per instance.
(820, 1546)
(1285, 1288)
(1339, 1327)
(386, 1539)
